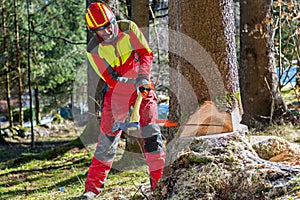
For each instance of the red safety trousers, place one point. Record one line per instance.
(116, 107)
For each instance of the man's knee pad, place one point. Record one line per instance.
(152, 137)
(106, 147)
(153, 144)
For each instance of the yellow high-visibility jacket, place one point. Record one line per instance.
(128, 56)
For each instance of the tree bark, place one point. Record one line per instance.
(206, 66)
(37, 105)
(18, 63)
(140, 15)
(134, 143)
(223, 167)
(298, 49)
(261, 98)
(6, 65)
(36, 87)
(95, 85)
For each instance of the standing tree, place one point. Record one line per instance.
(95, 84)
(18, 62)
(6, 65)
(94, 87)
(202, 56)
(56, 52)
(133, 150)
(139, 14)
(261, 98)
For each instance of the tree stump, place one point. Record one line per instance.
(222, 167)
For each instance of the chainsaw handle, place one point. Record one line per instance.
(135, 116)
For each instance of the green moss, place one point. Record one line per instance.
(229, 160)
(58, 118)
(198, 158)
(270, 186)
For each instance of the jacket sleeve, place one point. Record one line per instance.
(141, 47)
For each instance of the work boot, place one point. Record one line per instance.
(88, 195)
(154, 178)
(153, 184)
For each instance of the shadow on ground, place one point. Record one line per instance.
(14, 154)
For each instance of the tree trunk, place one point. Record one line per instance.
(7, 73)
(202, 57)
(18, 63)
(36, 87)
(261, 99)
(224, 167)
(95, 85)
(298, 51)
(37, 105)
(134, 143)
(140, 15)
(298, 54)
(93, 78)
(129, 10)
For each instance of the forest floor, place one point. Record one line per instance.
(57, 167)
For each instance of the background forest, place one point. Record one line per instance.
(43, 47)
(43, 72)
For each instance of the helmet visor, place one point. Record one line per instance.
(112, 21)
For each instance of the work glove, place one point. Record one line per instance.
(144, 91)
(143, 85)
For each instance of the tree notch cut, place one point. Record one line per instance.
(208, 120)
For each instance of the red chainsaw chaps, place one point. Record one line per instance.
(97, 174)
(155, 163)
(116, 107)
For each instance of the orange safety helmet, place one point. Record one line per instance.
(98, 16)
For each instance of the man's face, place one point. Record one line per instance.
(107, 34)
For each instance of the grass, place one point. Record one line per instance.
(57, 169)
(290, 97)
(288, 132)
(59, 172)
(62, 177)
(44, 178)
